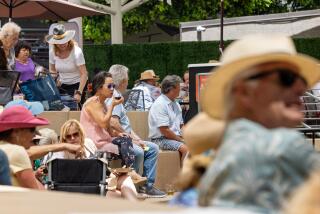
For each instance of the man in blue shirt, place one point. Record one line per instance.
(146, 152)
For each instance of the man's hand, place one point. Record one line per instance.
(123, 134)
(139, 142)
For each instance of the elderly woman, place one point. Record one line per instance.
(66, 58)
(17, 127)
(9, 36)
(72, 133)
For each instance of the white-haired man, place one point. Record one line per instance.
(260, 160)
(145, 151)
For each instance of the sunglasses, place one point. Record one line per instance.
(286, 77)
(111, 86)
(72, 136)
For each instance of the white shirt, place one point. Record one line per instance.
(68, 68)
(164, 112)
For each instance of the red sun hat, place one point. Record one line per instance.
(19, 117)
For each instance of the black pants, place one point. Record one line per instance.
(70, 89)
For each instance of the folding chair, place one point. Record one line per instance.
(77, 175)
(8, 84)
(132, 102)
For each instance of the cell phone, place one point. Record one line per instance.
(117, 98)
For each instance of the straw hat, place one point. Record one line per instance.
(148, 75)
(60, 35)
(19, 117)
(248, 52)
(200, 139)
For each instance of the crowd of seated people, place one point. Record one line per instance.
(250, 158)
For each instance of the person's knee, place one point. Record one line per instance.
(183, 149)
(138, 152)
(153, 148)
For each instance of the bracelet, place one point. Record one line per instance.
(78, 92)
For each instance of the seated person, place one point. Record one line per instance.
(147, 83)
(38, 151)
(24, 63)
(165, 118)
(72, 133)
(146, 153)
(95, 119)
(17, 127)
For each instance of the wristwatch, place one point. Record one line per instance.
(78, 92)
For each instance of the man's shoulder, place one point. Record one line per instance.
(248, 133)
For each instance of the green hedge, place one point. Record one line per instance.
(166, 58)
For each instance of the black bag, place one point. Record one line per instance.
(43, 89)
(8, 83)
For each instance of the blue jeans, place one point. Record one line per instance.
(149, 159)
(5, 178)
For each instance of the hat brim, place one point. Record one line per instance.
(69, 34)
(154, 78)
(36, 108)
(37, 121)
(213, 95)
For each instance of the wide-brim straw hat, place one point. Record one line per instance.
(60, 35)
(149, 75)
(200, 139)
(19, 117)
(248, 52)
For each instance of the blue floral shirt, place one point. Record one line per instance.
(257, 167)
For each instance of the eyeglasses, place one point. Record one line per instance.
(110, 86)
(72, 136)
(286, 77)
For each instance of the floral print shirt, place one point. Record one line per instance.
(257, 167)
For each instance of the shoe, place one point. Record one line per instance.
(152, 192)
(137, 179)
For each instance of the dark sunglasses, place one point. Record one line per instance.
(111, 86)
(286, 77)
(72, 136)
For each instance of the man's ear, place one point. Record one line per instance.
(243, 93)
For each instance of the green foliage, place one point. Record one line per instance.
(166, 58)
(141, 18)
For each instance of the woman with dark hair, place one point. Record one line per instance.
(24, 63)
(95, 119)
(17, 128)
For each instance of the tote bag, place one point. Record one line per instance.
(8, 84)
(43, 89)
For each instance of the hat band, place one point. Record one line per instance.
(59, 37)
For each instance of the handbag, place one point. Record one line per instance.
(44, 90)
(8, 84)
